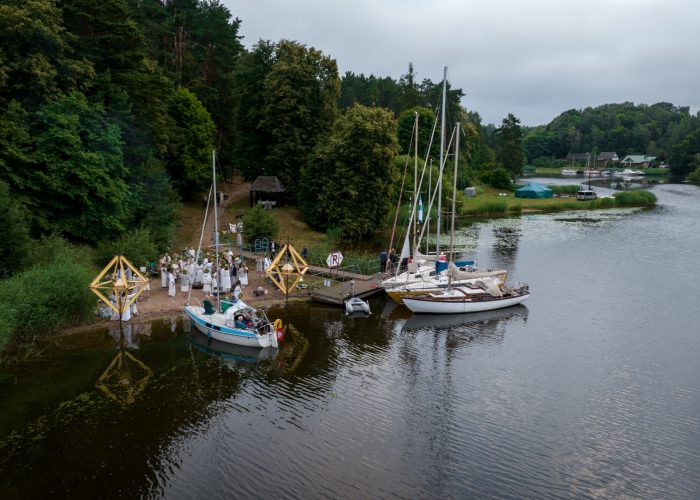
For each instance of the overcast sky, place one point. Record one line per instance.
(532, 58)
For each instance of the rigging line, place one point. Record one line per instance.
(398, 203)
(201, 237)
(432, 199)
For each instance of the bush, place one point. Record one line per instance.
(638, 198)
(137, 246)
(259, 223)
(45, 297)
(498, 178)
(694, 176)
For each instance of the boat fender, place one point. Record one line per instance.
(279, 330)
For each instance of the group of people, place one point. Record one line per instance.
(194, 271)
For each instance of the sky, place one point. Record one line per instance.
(533, 58)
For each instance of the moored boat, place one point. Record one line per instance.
(484, 295)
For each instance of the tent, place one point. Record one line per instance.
(533, 190)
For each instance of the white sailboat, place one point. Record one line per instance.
(238, 323)
(484, 294)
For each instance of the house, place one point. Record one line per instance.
(606, 157)
(267, 190)
(638, 161)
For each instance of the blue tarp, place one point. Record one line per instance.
(533, 190)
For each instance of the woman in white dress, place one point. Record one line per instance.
(171, 284)
(259, 265)
(243, 275)
(184, 281)
(226, 280)
(163, 273)
(198, 276)
(206, 282)
(237, 290)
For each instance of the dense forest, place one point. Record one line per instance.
(109, 111)
(668, 132)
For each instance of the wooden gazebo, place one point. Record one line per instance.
(267, 190)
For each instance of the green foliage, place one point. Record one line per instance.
(44, 298)
(249, 139)
(405, 131)
(349, 181)
(657, 130)
(192, 140)
(301, 91)
(694, 176)
(509, 138)
(14, 233)
(259, 223)
(564, 188)
(498, 178)
(637, 198)
(489, 207)
(137, 246)
(79, 161)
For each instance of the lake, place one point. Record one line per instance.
(592, 389)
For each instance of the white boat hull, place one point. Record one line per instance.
(214, 326)
(431, 306)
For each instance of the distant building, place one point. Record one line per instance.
(606, 157)
(267, 191)
(638, 161)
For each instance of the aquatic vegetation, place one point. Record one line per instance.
(638, 198)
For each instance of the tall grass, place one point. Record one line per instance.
(565, 188)
(487, 207)
(43, 298)
(638, 198)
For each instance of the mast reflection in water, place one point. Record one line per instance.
(589, 391)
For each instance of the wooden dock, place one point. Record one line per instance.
(363, 287)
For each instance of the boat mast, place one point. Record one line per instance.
(216, 226)
(454, 194)
(415, 183)
(442, 151)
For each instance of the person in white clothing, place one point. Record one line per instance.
(163, 276)
(206, 282)
(243, 275)
(226, 280)
(184, 281)
(237, 290)
(171, 284)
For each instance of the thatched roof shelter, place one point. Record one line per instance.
(267, 190)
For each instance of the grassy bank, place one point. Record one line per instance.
(488, 203)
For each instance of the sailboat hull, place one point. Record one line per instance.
(431, 305)
(215, 326)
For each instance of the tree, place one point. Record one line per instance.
(259, 223)
(349, 183)
(509, 139)
(301, 91)
(250, 140)
(14, 234)
(77, 183)
(404, 132)
(192, 140)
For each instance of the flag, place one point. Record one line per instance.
(420, 210)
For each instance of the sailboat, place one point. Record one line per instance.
(470, 295)
(239, 323)
(423, 272)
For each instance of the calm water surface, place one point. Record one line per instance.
(591, 390)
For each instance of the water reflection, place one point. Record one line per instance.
(505, 247)
(230, 352)
(124, 378)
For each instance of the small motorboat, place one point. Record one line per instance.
(355, 305)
